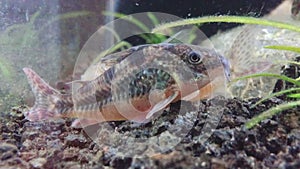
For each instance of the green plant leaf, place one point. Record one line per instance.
(153, 18)
(269, 113)
(228, 19)
(111, 50)
(275, 94)
(294, 95)
(282, 77)
(282, 47)
(131, 19)
(5, 69)
(68, 15)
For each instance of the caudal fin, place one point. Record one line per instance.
(46, 98)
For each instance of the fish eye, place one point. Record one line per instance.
(194, 58)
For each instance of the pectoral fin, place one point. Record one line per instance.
(162, 104)
(191, 96)
(81, 123)
(205, 92)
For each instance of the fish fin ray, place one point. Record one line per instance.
(46, 98)
(254, 68)
(191, 96)
(82, 123)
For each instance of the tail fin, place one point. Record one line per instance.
(45, 106)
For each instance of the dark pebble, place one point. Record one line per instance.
(5, 147)
(73, 140)
(7, 151)
(121, 162)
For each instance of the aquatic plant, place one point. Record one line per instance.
(277, 109)
(5, 69)
(149, 38)
(19, 41)
(290, 93)
(13, 38)
(25, 35)
(122, 44)
(227, 19)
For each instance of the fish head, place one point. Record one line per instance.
(197, 69)
(204, 64)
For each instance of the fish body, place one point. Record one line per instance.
(138, 82)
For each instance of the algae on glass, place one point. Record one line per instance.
(35, 43)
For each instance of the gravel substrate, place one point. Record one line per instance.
(274, 143)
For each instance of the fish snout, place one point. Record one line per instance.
(226, 66)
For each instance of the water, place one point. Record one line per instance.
(244, 47)
(46, 36)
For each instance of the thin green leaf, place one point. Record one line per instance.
(22, 25)
(269, 113)
(114, 33)
(5, 69)
(228, 19)
(274, 95)
(141, 25)
(158, 38)
(111, 50)
(192, 35)
(282, 77)
(294, 95)
(282, 47)
(148, 38)
(68, 15)
(131, 19)
(153, 18)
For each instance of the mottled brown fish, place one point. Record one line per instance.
(139, 82)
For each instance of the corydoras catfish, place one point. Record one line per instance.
(138, 83)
